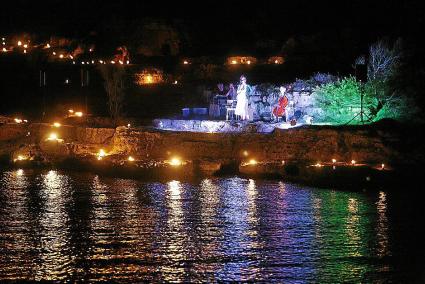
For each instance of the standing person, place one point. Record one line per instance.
(242, 99)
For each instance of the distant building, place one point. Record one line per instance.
(244, 60)
(149, 76)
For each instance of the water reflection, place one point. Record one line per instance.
(54, 258)
(76, 227)
(382, 225)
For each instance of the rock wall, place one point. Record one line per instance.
(12, 131)
(307, 144)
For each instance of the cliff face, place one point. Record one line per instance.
(301, 144)
(305, 144)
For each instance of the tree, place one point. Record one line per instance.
(383, 68)
(383, 60)
(114, 83)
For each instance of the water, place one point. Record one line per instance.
(69, 226)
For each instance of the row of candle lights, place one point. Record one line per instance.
(25, 47)
(253, 162)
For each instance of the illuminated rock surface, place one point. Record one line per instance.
(210, 152)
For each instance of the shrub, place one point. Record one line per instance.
(340, 100)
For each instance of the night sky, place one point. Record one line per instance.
(221, 24)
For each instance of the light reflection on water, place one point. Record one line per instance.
(73, 226)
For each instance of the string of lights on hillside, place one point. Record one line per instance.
(25, 47)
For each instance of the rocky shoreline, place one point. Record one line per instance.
(309, 154)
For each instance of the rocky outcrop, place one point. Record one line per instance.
(94, 135)
(11, 131)
(307, 144)
(210, 152)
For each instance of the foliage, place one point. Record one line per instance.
(340, 102)
(323, 78)
(314, 81)
(114, 84)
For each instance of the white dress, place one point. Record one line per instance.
(242, 102)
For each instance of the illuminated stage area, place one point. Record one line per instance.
(220, 126)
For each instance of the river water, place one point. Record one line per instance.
(70, 226)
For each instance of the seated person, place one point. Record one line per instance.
(231, 94)
(282, 103)
(221, 91)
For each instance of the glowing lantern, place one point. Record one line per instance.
(121, 62)
(334, 161)
(353, 162)
(71, 111)
(276, 62)
(112, 61)
(185, 62)
(245, 153)
(4, 49)
(128, 62)
(19, 43)
(130, 159)
(79, 114)
(20, 158)
(234, 62)
(175, 162)
(100, 61)
(25, 51)
(60, 55)
(18, 120)
(53, 137)
(283, 162)
(47, 45)
(382, 166)
(73, 62)
(248, 62)
(128, 125)
(56, 124)
(101, 154)
(175, 82)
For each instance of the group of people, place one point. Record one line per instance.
(242, 94)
